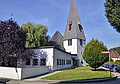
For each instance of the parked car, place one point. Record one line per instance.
(106, 65)
(118, 68)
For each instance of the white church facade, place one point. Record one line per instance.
(63, 51)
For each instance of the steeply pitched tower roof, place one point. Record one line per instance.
(73, 27)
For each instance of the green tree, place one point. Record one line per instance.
(112, 12)
(36, 35)
(93, 54)
(117, 49)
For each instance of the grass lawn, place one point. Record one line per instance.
(79, 73)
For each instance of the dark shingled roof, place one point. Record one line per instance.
(76, 30)
(57, 40)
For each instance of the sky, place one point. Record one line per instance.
(54, 13)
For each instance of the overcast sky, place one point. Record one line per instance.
(54, 13)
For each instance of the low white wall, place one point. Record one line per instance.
(8, 72)
(20, 73)
(34, 71)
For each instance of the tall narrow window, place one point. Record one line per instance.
(57, 61)
(27, 62)
(69, 42)
(70, 25)
(80, 27)
(80, 41)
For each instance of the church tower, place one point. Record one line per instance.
(74, 38)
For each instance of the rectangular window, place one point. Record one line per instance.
(43, 62)
(68, 62)
(64, 62)
(80, 41)
(57, 61)
(69, 42)
(35, 61)
(60, 62)
(27, 62)
(70, 24)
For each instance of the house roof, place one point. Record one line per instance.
(76, 30)
(57, 40)
(114, 54)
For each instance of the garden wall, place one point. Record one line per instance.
(21, 73)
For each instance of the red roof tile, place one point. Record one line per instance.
(114, 54)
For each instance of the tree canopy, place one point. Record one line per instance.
(36, 35)
(12, 43)
(112, 12)
(93, 54)
(117, 49)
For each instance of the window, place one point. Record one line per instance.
(68, 62)
(70, 24)
(60, 62)
(43, 62)
(69, 42)
(35, 61)
(27, 62)
(57, 61)
(80, 41)
(64, 62)
(80, 27)
(81, 62)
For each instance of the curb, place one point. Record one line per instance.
(89, 81)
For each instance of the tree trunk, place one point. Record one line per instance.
(95, 68)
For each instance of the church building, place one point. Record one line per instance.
(64, 51)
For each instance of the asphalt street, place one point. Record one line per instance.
(116, 81)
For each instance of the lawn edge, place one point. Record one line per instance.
(89, 81)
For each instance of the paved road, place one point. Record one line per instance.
(116, 81)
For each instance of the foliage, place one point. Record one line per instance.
(79, 73)
(117, 62)
(93, 54)
(112, 12)
(36, 35)
(117, 49)
(12, 43)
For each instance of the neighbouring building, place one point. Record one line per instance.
(114, 55)
(64, 51)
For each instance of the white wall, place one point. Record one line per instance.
(9, 72)
(51, 55)
(45, 53)
(72, 48)
(20, 73)
(34, 71)
(61, 55)
(76, 48)
(114, 59)
(80, 50)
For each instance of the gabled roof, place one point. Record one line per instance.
(76, 30)
(114, 54)
(57, 40)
